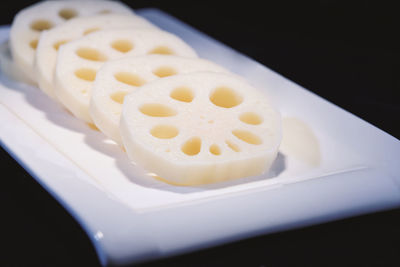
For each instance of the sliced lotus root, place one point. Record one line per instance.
(79, 60)
(31, 21)
(117, 78)
(200, 128)
(51, 40)
(8, 66)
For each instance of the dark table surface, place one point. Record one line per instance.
(348, 53)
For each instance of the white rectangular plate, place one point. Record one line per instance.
(132, 217)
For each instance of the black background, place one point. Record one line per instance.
(345, 51)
